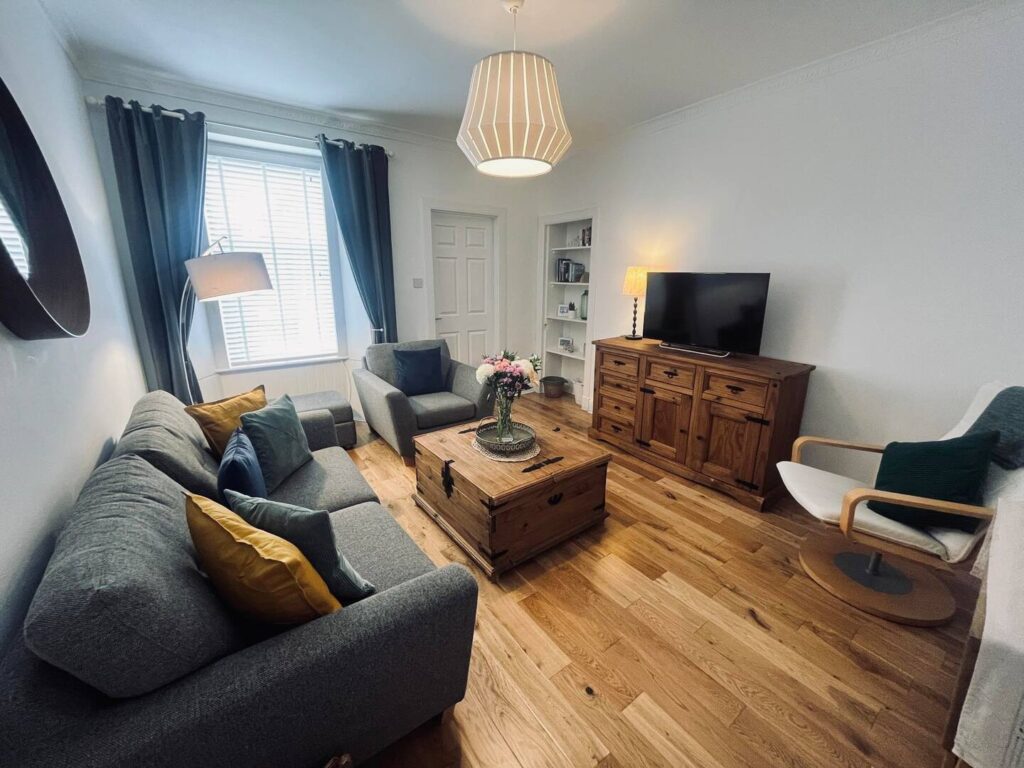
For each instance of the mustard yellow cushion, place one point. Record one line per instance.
(222, 417)
(257, 573)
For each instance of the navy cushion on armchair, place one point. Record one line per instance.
(419, 371)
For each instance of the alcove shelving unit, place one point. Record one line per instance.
(571, 239)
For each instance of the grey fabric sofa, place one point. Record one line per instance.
(398, 418)
(351, 682)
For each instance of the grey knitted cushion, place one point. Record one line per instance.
(380, 358)
(122, 604)
(1005, 415)
(162, 433)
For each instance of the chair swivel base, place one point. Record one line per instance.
(890, 587)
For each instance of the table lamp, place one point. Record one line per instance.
(220, 275)
(635, 285)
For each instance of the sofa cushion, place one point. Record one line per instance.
(309, 530)
(329, 400)
(377, 546)
(240, 468)
(440, 408)
(220, 418)
(162, 433)
(123, 605)
(260, 575)
(380, 358)
(279, 439)
(330, 481)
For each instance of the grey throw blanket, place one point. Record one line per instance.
(1005, 414)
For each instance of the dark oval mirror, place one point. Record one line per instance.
(43, 292)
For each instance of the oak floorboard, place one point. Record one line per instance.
(680, 632)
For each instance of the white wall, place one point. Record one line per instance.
(422, 169)
(62, 402)
(884, 191)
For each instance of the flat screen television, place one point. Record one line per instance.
(715, 312)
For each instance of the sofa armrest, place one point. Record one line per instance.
(352, 682)
(387, 411)
(464, 384)
(319, 428)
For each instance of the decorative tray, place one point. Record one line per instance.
(522, 438)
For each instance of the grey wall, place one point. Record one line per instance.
(62, 402)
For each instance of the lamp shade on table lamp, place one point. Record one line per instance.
(635, 285)
(223, 275)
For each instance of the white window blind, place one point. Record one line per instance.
(13, 241)
(277, 210)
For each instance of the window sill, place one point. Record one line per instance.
(274, 364)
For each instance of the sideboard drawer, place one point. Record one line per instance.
(616, 387)
(737, 390)
(614, 428)
(613, 406)
(673, 374)
(622, 365)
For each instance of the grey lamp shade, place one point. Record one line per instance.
(222, 275)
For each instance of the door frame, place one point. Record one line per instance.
(500, 220)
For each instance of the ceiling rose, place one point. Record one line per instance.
(513, 125)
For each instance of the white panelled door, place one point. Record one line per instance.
(463, 254)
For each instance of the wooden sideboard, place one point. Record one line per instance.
(723, 422)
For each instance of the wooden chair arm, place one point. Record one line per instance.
(801, 442)
(857, 495)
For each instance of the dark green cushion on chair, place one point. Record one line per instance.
(419, 371)
(310, 531)
(950, 470)
(279, 439)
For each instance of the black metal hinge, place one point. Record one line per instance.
(757, 420)
(446, 478)
(748, 486)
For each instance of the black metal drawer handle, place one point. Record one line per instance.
(616, 429)
(671, 374)
(552, 500)
(734, 389)
(617, 362)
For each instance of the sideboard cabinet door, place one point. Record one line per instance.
(664, 424)
(724, 443)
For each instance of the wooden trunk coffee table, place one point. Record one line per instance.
(502, 513)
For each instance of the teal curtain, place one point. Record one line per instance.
(160, 164)
(358, 181)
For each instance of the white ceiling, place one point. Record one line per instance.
(406, 63)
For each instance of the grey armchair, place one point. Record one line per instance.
(397, 417)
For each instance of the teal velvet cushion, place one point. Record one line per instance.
(310, 531)
(950, 470)
(280, 442)
(419, 371)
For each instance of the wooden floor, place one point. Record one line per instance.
(682, 632)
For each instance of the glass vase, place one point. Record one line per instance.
(503, 405)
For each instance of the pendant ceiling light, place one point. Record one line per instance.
(514, 125)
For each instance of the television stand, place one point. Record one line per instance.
(718, 353)
(722, 422)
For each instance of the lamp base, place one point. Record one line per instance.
(632, 337)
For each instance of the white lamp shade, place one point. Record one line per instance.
(513, 124)
(635, 282)
(222, 275)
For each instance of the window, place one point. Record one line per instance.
(13, 241)
(275, 207)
